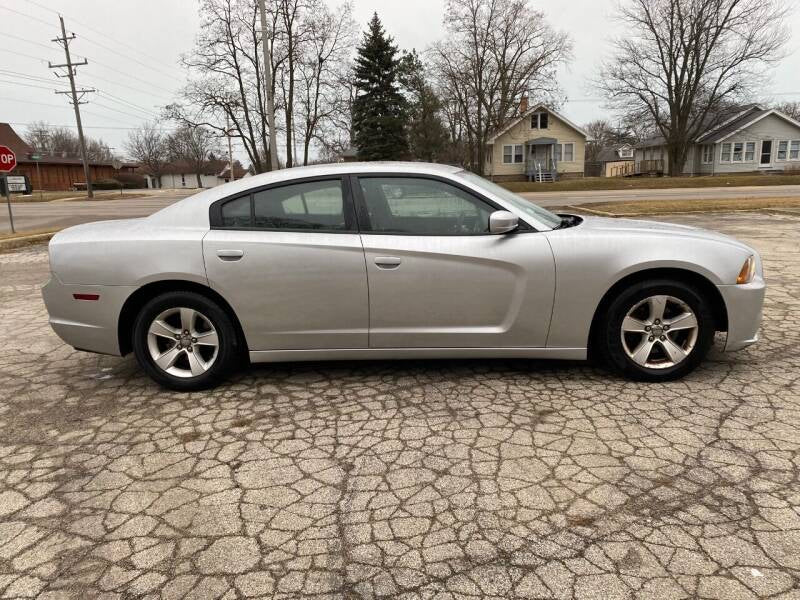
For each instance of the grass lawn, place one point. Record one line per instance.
(50, 196)
(650, 183)
(660, 207)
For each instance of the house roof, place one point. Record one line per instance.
(9, 137)
(611, 155)
(527, 113)
(738, 118)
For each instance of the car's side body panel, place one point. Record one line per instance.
(459, 291)
(594, 256)
(292, 290)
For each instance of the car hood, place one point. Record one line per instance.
(668, 231)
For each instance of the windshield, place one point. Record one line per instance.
(529, 208)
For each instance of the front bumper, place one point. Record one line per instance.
(86, 324)
(744, 305)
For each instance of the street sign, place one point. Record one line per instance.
(8, 159)
(16, 183)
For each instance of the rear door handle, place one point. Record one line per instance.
(387, 262)
(229, 255)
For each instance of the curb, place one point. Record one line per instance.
(11, 243)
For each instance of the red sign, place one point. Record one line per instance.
(8, 160)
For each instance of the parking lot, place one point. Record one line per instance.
(423, 479)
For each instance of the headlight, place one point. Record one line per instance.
(748, 270)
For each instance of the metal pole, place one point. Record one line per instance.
(39, 177)
(81, 139)
(8, 203)
(230, 149)
(273, 140)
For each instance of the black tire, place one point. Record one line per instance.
(610, 340)
(227, 353)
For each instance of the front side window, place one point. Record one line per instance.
(569, 152)
(738, 148)
(407, 205)
(725, 155)
(750, 152)
(782, 150)
(708, 153)
(313, 205)
(558, 152)
(794, 152)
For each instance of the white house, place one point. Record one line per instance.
(180, 176)
(753, 139)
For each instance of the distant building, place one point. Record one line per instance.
(179, 175)
(616, 162)
(56, 172)
(539, 144)
(749, 139)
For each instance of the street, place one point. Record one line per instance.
(51, 215)
(417, 479)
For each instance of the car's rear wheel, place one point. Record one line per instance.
(657, 330)
(184, 341)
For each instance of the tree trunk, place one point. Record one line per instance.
(676, 153)
(199, 181)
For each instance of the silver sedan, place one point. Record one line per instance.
(394, 260)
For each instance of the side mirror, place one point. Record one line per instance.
(502, 221)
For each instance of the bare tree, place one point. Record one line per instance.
(61, 141)
(681, 63)
(193, 146)
(603, 134)
(228, 75)
(149, 147)
(790, 109)
(495, 51)
(324, 99)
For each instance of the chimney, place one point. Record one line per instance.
(523, 104)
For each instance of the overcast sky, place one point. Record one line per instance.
(133, 49)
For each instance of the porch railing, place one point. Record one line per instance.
(650, 166)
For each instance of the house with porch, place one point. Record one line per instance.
(540, 144)
(750, 139)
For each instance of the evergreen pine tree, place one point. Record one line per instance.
(379, 109)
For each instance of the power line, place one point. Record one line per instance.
(105, 35)
(114, 128)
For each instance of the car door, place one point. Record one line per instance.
(438, 279)
(289, 260)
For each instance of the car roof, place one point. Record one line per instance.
(193, 210)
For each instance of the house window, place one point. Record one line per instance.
(626, 152)
(783, 148)
(557, 152)
(569, 152)
(750, 151)
(708, 154)
(794, 152)
(738, 149)
(539, 120)
(512, 153)
(725, 153)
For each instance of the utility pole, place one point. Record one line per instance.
(230, 148)
(273, 140)
(76, 94)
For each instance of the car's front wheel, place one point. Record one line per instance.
(657, 330)
(184, 341)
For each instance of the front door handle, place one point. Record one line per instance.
(387, 262)
(229, 255)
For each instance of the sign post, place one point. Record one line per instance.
(37, 157)
(8, 161)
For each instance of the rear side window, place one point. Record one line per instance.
(236, 213)
(311, 205)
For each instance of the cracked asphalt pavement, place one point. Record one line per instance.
(424, 479)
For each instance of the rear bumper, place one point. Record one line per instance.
(86, 324)
(744, 305)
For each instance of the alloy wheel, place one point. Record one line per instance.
(659, 332)
(182, 342)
